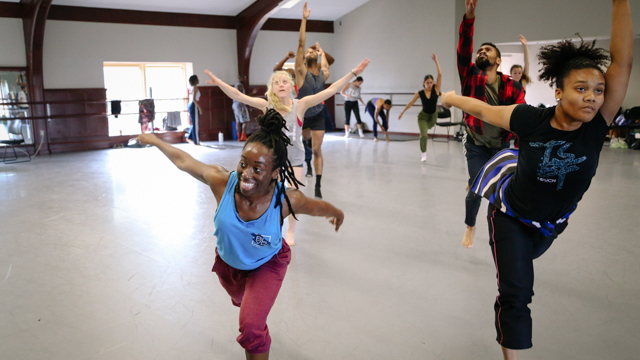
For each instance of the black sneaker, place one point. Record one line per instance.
(318, 193)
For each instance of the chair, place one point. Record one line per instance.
(444, 113)
(15, 129)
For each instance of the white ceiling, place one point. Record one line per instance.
(320, 9)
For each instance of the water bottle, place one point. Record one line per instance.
(220, 137)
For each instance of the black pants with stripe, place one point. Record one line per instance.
(514, 246)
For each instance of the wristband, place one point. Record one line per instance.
(354, 74)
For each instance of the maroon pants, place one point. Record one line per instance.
(254, 292)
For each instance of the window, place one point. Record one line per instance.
(166, 83)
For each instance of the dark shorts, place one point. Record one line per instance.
(315, 122)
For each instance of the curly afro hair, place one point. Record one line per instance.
(560, 59)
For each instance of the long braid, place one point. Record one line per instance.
(272, 136)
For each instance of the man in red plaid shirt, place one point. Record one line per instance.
(484, 82)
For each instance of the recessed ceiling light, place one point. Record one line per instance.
(289, 4)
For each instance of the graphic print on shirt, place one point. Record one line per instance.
(260, 240)
(559, 166)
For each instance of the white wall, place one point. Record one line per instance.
(272, 46)
(398, 37)
(12, 53)
(75, 51)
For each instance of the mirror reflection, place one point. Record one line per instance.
(14, 107)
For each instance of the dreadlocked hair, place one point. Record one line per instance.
(272, 136)
(560, 59)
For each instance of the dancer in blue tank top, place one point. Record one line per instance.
(251, 258)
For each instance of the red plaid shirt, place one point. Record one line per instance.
(473, 80)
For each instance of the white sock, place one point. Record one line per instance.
(360, 132)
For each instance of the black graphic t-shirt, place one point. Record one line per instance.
(555, 167)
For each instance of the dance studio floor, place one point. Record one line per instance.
(108, 255)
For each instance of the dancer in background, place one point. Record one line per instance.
(240, 111)
(251, 259)
(351, 93)
(428, 117)
(310, 78)
(481, 80)
(194, 97)
(533, 190)
(292, 110)
(375, 109)
(517, 72)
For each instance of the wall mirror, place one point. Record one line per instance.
(14, 97)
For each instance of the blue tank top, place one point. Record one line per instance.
(245, 245)
(312, 85)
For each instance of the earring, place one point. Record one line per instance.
(557, 99)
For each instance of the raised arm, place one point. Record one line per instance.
(465, 41)
(410, 104)
(314, 207)
(280, 64)
(439, 79)
(315, 99)
(233, 93)
(525, 50)
(495, 115)
(213, 175)
(324, 63)
(301, 69)
(621, 50)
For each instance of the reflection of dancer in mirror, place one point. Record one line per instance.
(240, 111)
(194, 98)
(351, 93)
(517, 72)
(292, 110)
(375, 109)
(428, 117)
(251, 258)
(533, 190)
(310, 78)
(481, 81)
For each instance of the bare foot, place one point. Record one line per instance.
(469, 234)
(467, 188)
(386, 136)
(375, 139)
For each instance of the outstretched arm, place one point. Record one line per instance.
(314, 207)
(213, 175)
(621, 50)
(525, 50)
(495, 115)
(233, 93)
(439, 79)
(301, 69)
(315, 99)
(280, 64)
(409, 105)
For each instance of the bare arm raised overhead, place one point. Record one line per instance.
(301, 69)
(621, 50)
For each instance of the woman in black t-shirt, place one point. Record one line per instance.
(533, 190)
(428, 117)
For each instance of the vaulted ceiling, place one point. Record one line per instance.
(320, 9)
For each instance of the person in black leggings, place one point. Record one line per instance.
(351, 94)
(533, 190)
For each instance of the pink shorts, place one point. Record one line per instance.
(255, 292)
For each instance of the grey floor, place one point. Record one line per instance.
(108, 255)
